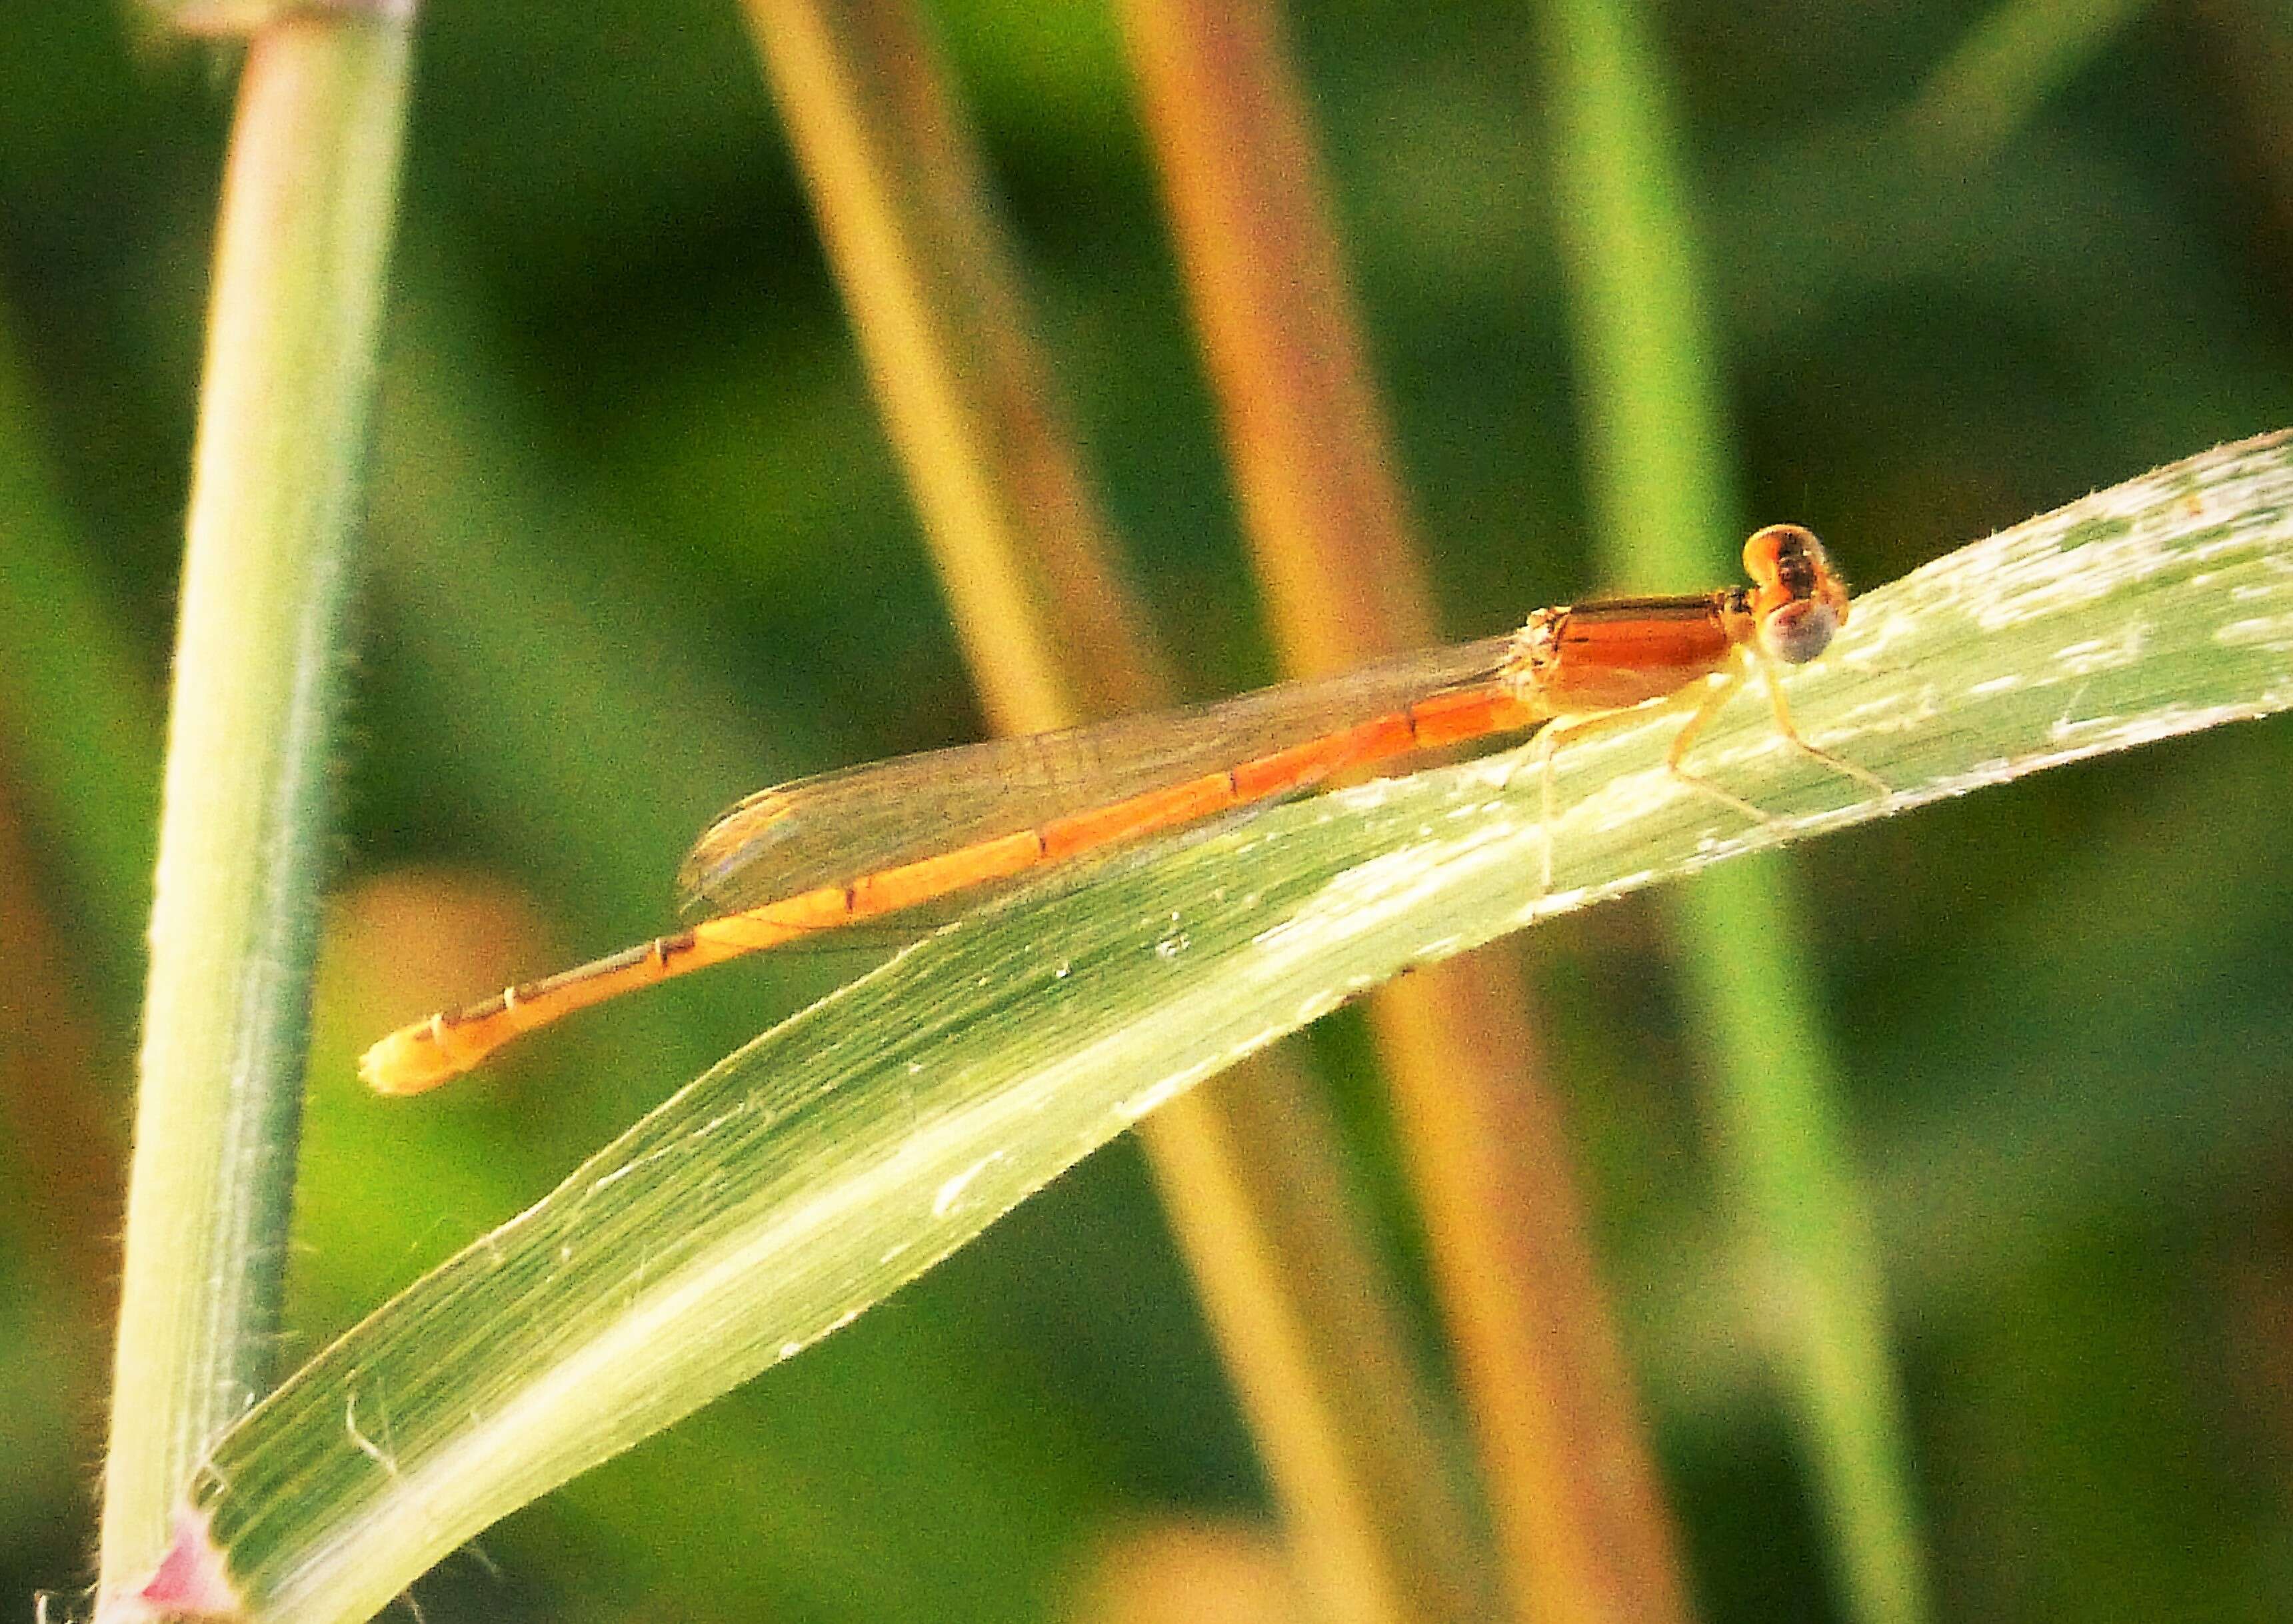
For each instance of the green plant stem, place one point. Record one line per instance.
(1665, 500)
(302, 241)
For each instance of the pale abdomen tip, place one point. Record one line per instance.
(410, 1061)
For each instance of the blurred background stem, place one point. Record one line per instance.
(1569, 1480)
(301, 244)
(1666, 508)
(2006, 68)
(1247, 1166)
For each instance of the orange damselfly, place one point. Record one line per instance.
(832, 850)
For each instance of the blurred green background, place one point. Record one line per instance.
(639, 546)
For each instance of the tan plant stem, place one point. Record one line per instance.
(1023, 553)
(1581, 1525)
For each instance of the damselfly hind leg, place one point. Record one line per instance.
(1790, 731)
(1717, 690)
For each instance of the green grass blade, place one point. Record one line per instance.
(2002, 71)
(838, 1156)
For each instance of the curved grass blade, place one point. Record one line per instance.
(813, 1172)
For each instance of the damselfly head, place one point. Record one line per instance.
(1787, 558)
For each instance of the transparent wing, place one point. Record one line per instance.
(837, 826)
